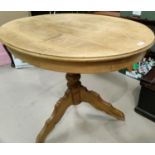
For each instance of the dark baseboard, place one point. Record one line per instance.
(145, 113)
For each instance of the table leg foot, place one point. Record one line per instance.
(97, 102)
(57, 114)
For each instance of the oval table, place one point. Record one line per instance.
(74, 44)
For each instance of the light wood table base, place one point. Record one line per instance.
(75, 94)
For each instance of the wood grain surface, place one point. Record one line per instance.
(72, 38)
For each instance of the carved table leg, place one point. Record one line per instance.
(96, 101)
(57, 114)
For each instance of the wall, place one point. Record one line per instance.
(6, 16)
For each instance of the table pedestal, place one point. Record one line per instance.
(75, 94)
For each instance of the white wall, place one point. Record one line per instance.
(6, 16)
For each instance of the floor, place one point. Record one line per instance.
(27, 98)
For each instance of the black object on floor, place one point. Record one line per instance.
(146, 104)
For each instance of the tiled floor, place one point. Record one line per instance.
(27, 98)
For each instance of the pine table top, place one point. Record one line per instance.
(76, 37)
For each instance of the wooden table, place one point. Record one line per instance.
(77, 43)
